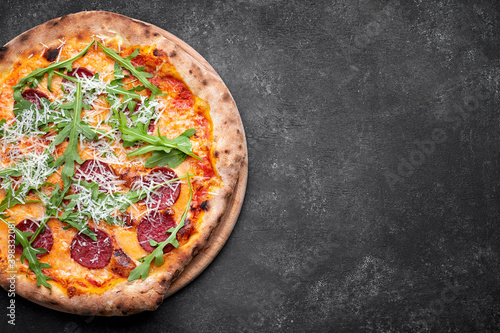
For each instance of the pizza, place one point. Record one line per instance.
(120, 148)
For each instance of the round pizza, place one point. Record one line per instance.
(120, 148)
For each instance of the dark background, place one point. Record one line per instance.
(373, 191)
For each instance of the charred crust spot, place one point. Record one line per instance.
(159, 300)
(226, 97)
(238, 131)
(71, 291)
(55, 23)
(204, 82)
(3, 48)
(155, 34)
(216, 153)
(124, 312)
(51, 54)
(204, 205)
(173, 54)
(54, 303)
(163, 281)
(226, 151)
(119, 306)
(147, 32)
(2, 56)
(24, 37)
(155, 52)
(190, 71)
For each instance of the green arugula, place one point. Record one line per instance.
(164, 147)
(72, 130)
(53, 207)
(138, 72)
(11, 200)
(29, 253)
(142, 271)
(170, 152)
(37, 118)
(17, 196)
(36, 76)
(116, 92)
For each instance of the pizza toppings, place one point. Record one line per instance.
(77, 73)
(30, 254)
(80, 72)
(154, 226)
(34, 96)
(142, 271)
(100, 173)
(164, 196)
(90, 253)
(97, 193)
(44, 240)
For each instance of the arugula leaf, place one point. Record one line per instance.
(72, 130)
(36, 118)
(75, 220)
(138, 72)
(142, 271)
(37, 75)
(171, 159)
(29, 253)
(13, 171)
(24, 168)
(157, 143)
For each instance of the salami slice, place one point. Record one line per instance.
(44, 240)
(98, 172)
(154, 226)
(90, 253)
(79, 73)
(34, 96)
(164, 196)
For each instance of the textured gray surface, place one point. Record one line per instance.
(373, 133)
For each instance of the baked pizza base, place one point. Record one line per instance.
(126, 298)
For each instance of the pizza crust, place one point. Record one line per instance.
(132, 297)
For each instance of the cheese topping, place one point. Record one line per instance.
(29, 155)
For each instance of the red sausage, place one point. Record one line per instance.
(34, 96)
(154, 226)
(89, 253)
(44, 240)
(166, 195)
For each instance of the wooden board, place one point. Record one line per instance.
(218, 238)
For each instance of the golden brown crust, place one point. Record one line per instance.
(131, 297)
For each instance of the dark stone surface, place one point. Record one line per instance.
(373, 195)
